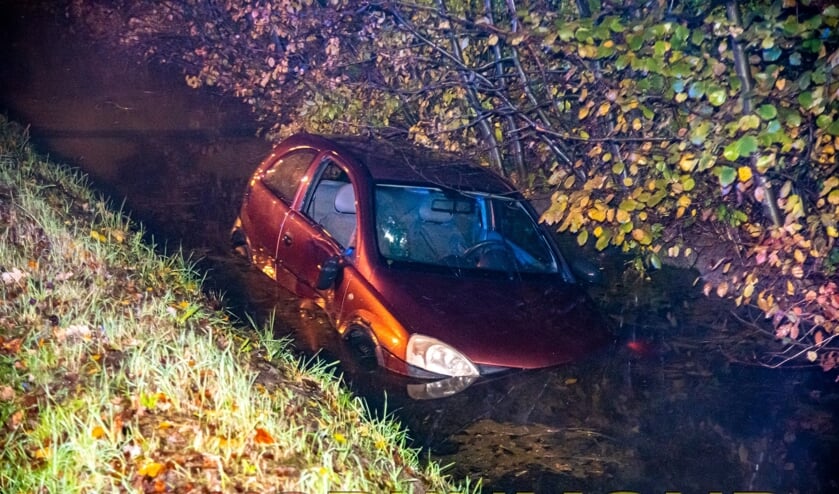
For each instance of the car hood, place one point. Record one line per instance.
(526, 322)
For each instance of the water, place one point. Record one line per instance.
(668, 408)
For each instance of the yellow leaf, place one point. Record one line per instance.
(597, 214)
(340, 438)
(151, 469)
(832, 232)
(744, 173)
(622, 216)
(799, 256)
(790, 288)
(722, 289)
(636, 124)
(97, 236)
(641, 236)
(604, 109)
(493, 40)
(583, 113)
(688, 161)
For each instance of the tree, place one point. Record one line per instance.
(653, 126)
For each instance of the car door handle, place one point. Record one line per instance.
(287, 239)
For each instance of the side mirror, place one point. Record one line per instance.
(329, 272)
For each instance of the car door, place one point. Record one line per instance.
(269, 201)
(304, 242)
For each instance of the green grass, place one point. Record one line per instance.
(116, 375)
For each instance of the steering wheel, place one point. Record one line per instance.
(485, 255)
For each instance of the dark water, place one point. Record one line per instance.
(667, 409)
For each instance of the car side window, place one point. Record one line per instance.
(332, 203)
(284, 177)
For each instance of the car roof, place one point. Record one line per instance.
(397, 161)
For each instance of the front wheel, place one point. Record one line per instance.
(363, 349)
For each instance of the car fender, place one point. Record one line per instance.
(361, 306)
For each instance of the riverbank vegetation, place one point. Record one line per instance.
(695, 133)
(117, 373)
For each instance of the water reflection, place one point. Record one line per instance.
(663, 410)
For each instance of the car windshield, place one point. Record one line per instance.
(459, 229)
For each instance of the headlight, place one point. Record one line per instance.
(435, 356)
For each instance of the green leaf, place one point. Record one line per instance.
(717, 96)
(833, 129)
(764, 162)
(634, 41)
(582, 34)
(731, 152)
(582, 237)
(812, 44)
(771, 54)
(726, 174)
(622, 62)
(697, 90)
(805, 99)
(767, 112)
(660, 48)
(747, 145)
(655, 262)
(793, 118)
(748, 122)
(700, 132)
(823, 121)
(603, 241)
(565, 31)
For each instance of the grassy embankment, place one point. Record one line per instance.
(116, 373)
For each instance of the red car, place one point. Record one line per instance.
(432, 265)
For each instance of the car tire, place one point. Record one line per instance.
(239, 243)
(362, 348)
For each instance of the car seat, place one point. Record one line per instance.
(341, 222)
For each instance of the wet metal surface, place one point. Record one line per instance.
(662, 410)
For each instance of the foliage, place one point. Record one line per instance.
(701, 132)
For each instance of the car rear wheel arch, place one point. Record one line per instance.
(239, 242)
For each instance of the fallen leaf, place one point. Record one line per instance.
(12, 346)
(15, 419)
(7, 393)
(151, 469)
(42, 453)
(263, 437)
(12, 277)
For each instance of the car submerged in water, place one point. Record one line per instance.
(429, 264)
